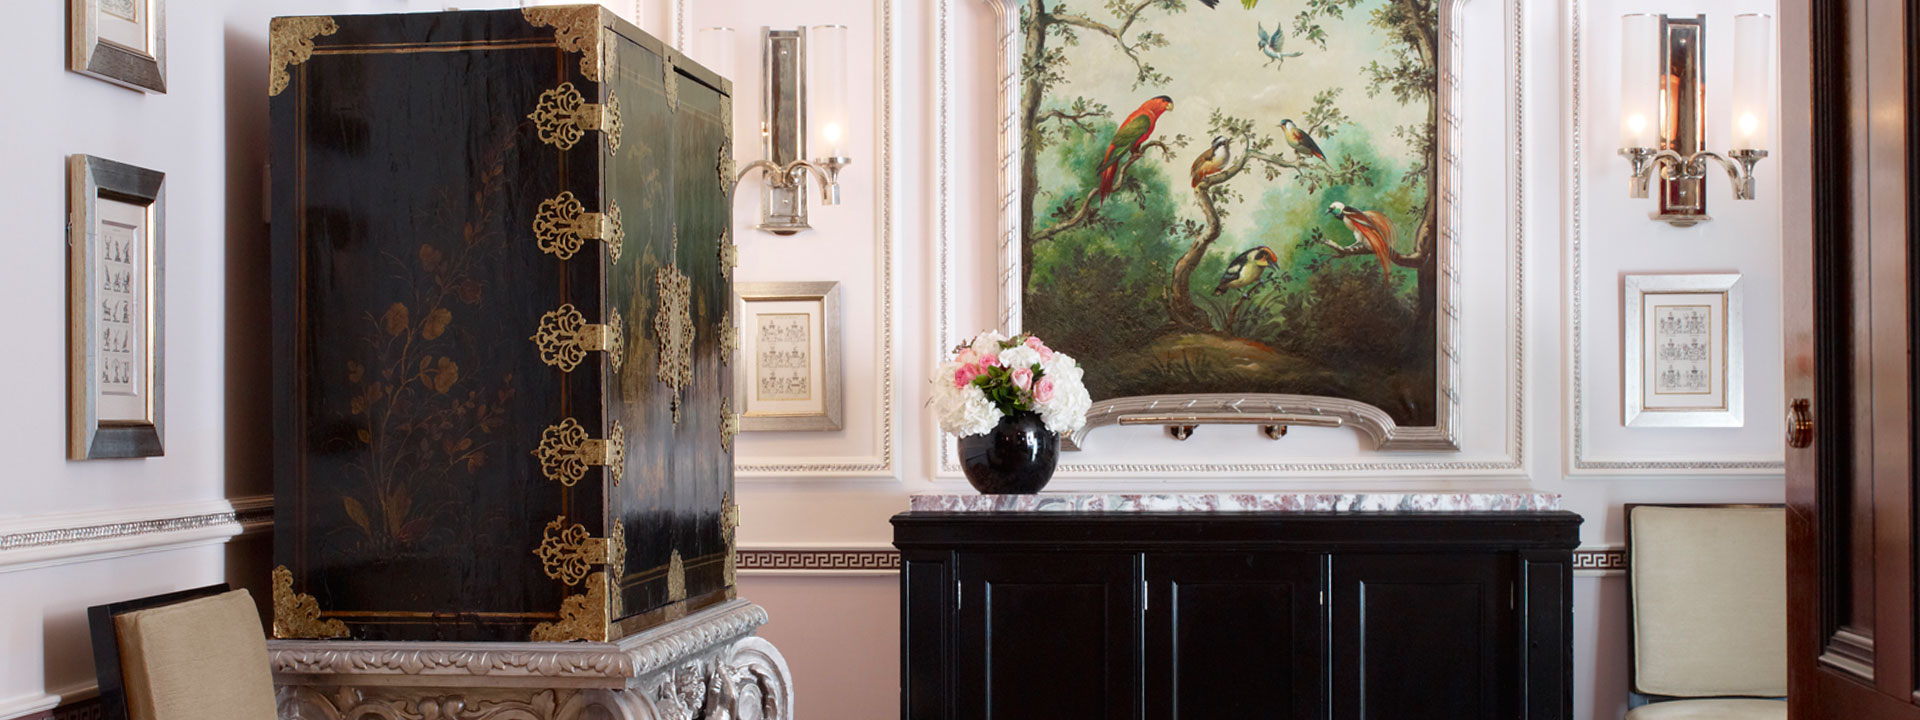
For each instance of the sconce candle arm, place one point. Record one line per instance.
(793, 174)
(1674, 166)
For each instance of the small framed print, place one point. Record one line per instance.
(789, 374)
(117, 309)
(123, 42)
(1684, 362)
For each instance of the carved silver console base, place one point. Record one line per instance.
(708, 666)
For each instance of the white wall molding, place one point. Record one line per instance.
(1579, 462)
(40, 541)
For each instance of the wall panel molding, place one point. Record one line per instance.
(1578, 460)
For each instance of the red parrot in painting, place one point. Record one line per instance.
(1128, 138)
(1371, 226)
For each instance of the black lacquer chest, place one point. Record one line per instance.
(502, 272)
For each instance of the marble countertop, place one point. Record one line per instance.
(1238, 502)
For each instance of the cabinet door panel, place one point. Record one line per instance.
(1233, 635)
(1049, 636)
(1417, 637)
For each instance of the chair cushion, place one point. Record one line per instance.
(1710, 601)
(203, 659)
(1711, 710)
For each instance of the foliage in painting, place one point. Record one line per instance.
(1301, 257)
(422, 423)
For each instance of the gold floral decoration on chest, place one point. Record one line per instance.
(673, 325)
(576, 28)
(290, 42)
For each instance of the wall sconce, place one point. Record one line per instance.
(1663, 109)
(804, 106)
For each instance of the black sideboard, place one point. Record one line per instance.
(1384, 616)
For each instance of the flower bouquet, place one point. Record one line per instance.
(1009, 400)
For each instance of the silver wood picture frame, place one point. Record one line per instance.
(123, 42)
(1683, 362)
(789, 370)
(116, 329)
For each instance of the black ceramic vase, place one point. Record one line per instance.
(1016, 457)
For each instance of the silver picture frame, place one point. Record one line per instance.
(1698, 323)
(1203, 408)
(123, 42)
(818, 354)
(116, 239)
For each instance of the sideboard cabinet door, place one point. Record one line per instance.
(1422, 636)
(1048, 636)
(1234, 635)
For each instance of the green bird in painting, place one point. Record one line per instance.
(1246, 269)
(1128, 138)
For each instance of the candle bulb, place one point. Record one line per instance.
(1639, 80)
(827, 91)
(713, 47)
(1752, 80)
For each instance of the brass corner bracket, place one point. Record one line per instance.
(289, 43)
(582, 617)
(576, 28)
(297, 615)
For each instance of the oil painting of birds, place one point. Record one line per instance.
(1212, 161)
(1371, 227)
(1302, 143)
(1246, 269)
(1128, 138)
(1271, 44)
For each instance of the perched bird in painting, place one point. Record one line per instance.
(1213, 3)
(1271, 44)
(1371, 227)
(1246, 269)
(1302, 143)
(1211, 161)
(1128, 138)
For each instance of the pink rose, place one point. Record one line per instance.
(967, 357)
(1043, 390)
(992, 358)
(1039, 347)
(967, 373)
(1022, 377)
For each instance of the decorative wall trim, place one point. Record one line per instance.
(1577, 461)
(819, 561)
(40, 541)
(887, 240)
(1600, 560)
(947, 463)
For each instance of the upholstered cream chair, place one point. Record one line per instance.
(191, 655)
(1709, 590)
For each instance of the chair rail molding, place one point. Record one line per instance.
(1579, 461)
(1491, 462)
(38, 541)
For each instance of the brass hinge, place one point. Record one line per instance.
(564, 338)
(562, 225)
(565, 452)
(563, 116)
(729, 338)
(729, 254)
(567, 553)
(729, 425)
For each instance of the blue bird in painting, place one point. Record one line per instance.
(1246, 269)
(1271, 45)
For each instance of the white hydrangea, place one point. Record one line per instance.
(988, 342)
(1066, 411)
(966, 411)
(1019, 356)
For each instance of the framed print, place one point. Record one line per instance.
(117, 309)
(790, 348)
(1683, 360)
(1307, 265)
(123, 42)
